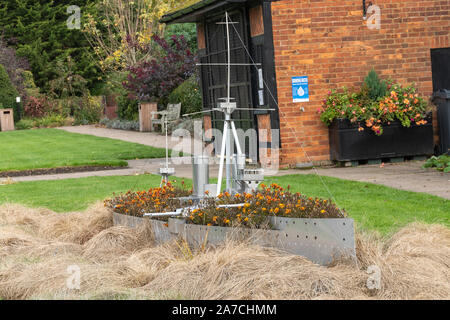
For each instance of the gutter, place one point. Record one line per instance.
(170, 17)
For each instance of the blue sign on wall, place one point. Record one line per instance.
(300, 89)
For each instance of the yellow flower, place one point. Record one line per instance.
(323, 211)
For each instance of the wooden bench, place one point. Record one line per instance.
(172, 113)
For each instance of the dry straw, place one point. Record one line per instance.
(37, 246)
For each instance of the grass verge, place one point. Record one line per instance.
(52, 148)
(374, 207)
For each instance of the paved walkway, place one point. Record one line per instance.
(405, 176)
(151, 139)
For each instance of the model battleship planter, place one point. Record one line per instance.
(347, 143)
(268, 216)
(320, 240)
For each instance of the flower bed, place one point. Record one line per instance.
(271, 217)
(255, 211)
(164, 199)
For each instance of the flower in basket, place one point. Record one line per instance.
(359, 106)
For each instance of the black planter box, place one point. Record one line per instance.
(348, 144)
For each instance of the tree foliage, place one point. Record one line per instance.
(189, 95)
(15, 66)
(123, 24)
(8, 93)
(38, 30)
(154, 80)
(376, 87)
(187, 30)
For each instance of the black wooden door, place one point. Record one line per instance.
(440, 62)
(214, 78)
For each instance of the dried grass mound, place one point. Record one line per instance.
(38, 247)
(78, 227)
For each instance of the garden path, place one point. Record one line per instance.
(151, 139)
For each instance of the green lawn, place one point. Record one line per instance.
(373, 207)
(73, 194)
(51, 148)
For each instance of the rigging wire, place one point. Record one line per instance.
(284, 116)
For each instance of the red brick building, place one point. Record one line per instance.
(328, 41)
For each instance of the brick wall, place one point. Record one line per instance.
(329, 41)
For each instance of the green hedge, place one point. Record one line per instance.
(127, 109)
(189, 94)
